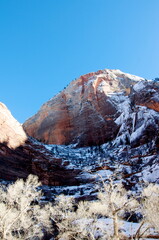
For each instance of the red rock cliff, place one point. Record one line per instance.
(85, 112)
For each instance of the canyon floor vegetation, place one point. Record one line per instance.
(23, 214)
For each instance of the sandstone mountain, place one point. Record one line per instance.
(110, 107)
(21, 156)
(99, 107)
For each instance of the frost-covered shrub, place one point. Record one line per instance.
(21, 217)
(75, 221)
(151, 205)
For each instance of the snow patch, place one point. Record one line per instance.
(139, 86)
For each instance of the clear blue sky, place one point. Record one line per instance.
(45, 44)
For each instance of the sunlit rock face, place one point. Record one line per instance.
(11, 131)
(87, 112)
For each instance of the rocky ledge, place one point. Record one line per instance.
(21, 155)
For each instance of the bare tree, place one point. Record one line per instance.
(83, 222)
(113, 202)
(21, 217)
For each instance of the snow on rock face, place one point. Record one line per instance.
(146, 94)
(96, 108)
(139, 86)
(12, 132)
(137, 126)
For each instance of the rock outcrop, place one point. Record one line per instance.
(33, 158)
(21, 156)
(91, 109)
(11, 131)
